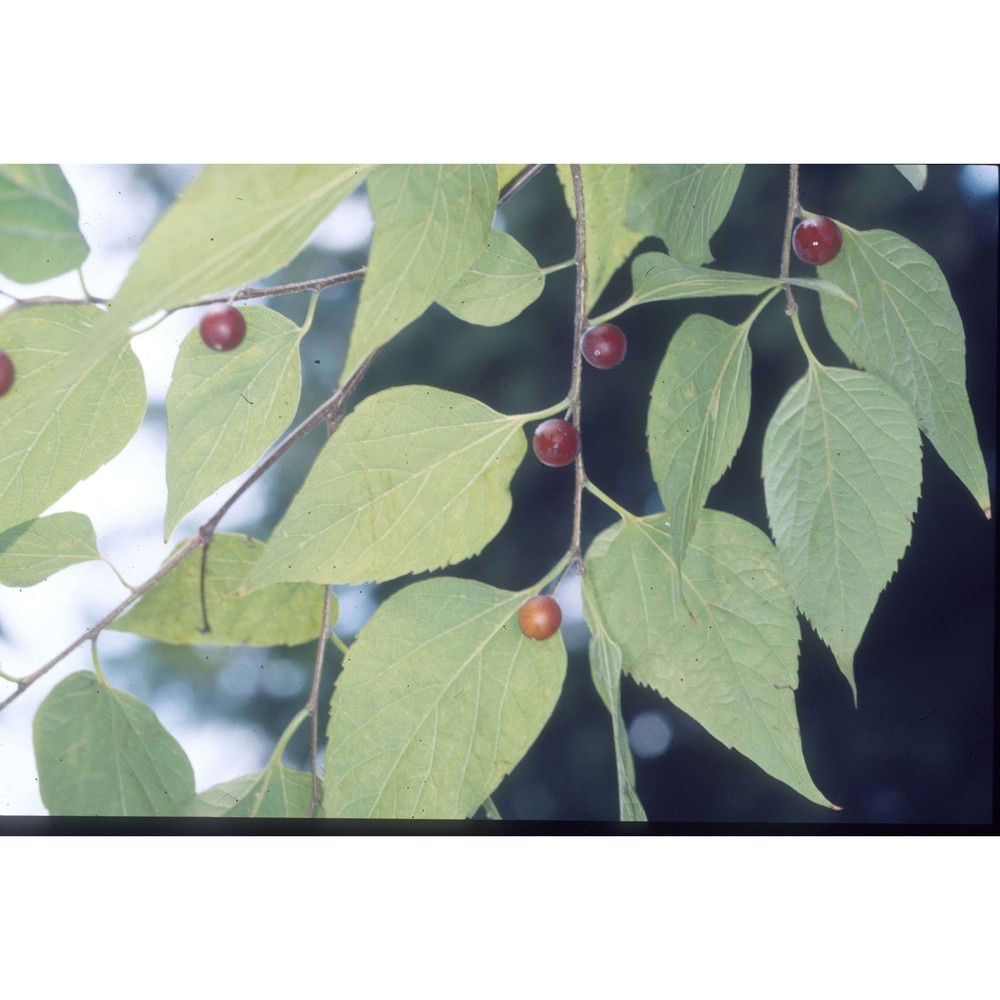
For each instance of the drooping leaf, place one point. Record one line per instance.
(915, 173)
(841, 480)
(682, 204)
(226, 408)
(39, 223)
(232, 224)
(440, 697)
(76, 402)
(657, 277)
(697, 418)
(501, 284)
(277, 792)
(606, 671)
(431, 224)
(605, 205)
(415, 478)
(102, 752)
(278, 615)
(32, 551)
(909, 332)
(734, 669)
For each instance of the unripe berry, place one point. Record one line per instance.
(604, 345)
(223, 329)
(817, 240)
(540, 617)
(6, 373)
(556, 442)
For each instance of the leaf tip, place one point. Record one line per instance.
(988, 511)
(838, 809)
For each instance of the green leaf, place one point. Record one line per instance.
(416, 478)
(915, 173)
(659, 278)
(226, 408)
(39, 223)
(909, 332)
(32, 551)
(605, 202)
(440, 697)
(508, 171)
(606, 671)
(697, 418)
(501, 284)
(734, 669)
(232, 224)
(841, 481)
(431, 224)
(102, 752)
(682, 204)
(277, 792)
(278, 615)
(76, 402)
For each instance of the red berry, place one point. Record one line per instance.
(556, 442)
(604, 345)
(540, 617)
(817, 240)
(223, 329)
(6, 373)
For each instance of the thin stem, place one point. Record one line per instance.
(524, 177)
(794, 209)
(83, 285)
(802, 339)
(554, 573)
(490, 808)
(759, 308)
(286, 736)
(339, 643)
(308, 321)
(311, 285)
(579, 326)
(561, 266)
(605, 499)
(114, 569)
(97, 662)
(312, 706)
(150, 326)
(526, 418)
(206, 542)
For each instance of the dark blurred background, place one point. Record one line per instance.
(919, 747)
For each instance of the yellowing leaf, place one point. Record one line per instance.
(734, 669)
(76, 402)
(431, 224)
(440, 697)
(908, 331)
(503, 281)
(415, 478)
(32, 551)
(841, 480)
(682, 204)
(39, 223)
(102, 752)
(226, 408)
(279, 615)
(232, 224)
